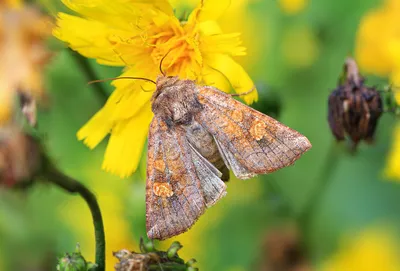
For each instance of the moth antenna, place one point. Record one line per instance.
(145, 90)
(122, 77)
(243, 93)
(161, 61)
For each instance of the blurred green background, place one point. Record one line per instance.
(295, 54)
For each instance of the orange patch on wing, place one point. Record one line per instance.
(257, 130)
(159, 165)
(162, 190)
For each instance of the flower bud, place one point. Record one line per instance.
(354, 108)
(173, 250)
(74, 262)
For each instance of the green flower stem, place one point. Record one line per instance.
(323, 182)
(90, 75)
(53, 175)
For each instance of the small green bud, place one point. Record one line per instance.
(74, 262)
(190, 268)
(91, 266)
(149, 246)
(191, 262)
(173, 249)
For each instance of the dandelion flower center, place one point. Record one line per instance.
(178, 45)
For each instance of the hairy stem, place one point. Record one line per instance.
(53, 175)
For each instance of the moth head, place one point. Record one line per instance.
(174, 100)
(165, 81)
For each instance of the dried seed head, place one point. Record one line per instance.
(354, 108)
(19, 156)
(131, 261)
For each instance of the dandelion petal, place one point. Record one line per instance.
(236, 75)
(126, 144)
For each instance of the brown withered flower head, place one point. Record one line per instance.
(19, 156)
(23, 55)
(130, 261)
(150, 258)
(354, 108)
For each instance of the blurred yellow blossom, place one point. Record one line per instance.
(138, 35)
(22, 54)
(392, 169)
(378, 52)
(292, 7)
(378, 42)
(373, 249)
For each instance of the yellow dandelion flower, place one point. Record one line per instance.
(137, 35)
(374, 249)
(237, 17)
(292, 7)
(392, 169)
(378, 52)
(378, 43)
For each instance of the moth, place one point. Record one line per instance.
(354, 109)
(197, 135)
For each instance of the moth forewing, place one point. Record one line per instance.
(247, 137)
(174, 199)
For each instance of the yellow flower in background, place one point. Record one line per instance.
(378, 52)
(378, 42)
(392, 169)
(292, 7)
(137, 36)
(372, 250)
(23, 54)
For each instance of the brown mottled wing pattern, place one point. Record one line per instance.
(179, 186)
(256, 143)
